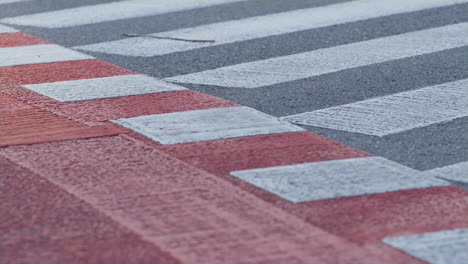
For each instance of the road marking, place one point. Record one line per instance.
(4, 29)
(108, 12)
(442, 247)
(337, 178)
(11, 1)
(308, 64)
(393, 113)
(38, 54)
(262, 26)
(456, 172)
(19, 39)
(206, 124)
(87, 89)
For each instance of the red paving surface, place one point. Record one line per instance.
(75, 192)
(19, 39)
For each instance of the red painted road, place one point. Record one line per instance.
(79, 189)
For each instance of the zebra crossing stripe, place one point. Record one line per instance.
(206, 124)
(442, 247)
(87, 89)
(5, 29)
(455, 172)
(38, 54)
(337, 178)
(108, 12)
(262, 26)
(2, 2)
(393, 113)
(308, 64)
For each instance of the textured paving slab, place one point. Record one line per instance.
(443, 247)
(207, 124)
(335, 179)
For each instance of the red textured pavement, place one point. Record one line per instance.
(78, 189)
(21, 123)
(195, 216)
(19, 39)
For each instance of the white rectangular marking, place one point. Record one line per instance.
(4, 29)
(108, 12)
(456, 172)
(206, 124)
(393, 113)
(328, 60)
(442, 247)
(38, 54)
(88, 89)
(336, 178)
(263, 26)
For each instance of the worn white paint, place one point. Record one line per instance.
(393, 113)
(337, 178)
(38, 54)
(456, 172)
(4, 29)
(87, 89)
(11, 1)
(263, 26)
(442, 247)
(206, 124)
(308, 64)
(108, 12)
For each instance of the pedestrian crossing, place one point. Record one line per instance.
(195, 127)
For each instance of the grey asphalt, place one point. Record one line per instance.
(423, 148)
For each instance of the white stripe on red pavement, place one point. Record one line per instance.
(88, 89)
(313, 63)
(23, 55)
(456, 172)
(206, 124)
(263, 26)
(393, 113)
(108, 12)
(336, 178)
(5, 29)
(442, 247)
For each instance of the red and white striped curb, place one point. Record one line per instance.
(316, 195)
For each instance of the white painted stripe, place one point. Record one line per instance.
(442, 247)
(336, 178)
(456, 172)
(11, 1)
(206, 124)
(322, 61)
(263, 26)
(108, 12)
(88, 89)
(393, 113)
(38, 54)
(4, 29)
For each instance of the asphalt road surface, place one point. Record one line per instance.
(387, 79)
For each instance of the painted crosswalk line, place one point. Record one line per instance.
(337, 178)
(308, 64)
(456, 172)
(87, 89)
(442, 247)
(206, 124)
(38, 54)
(11, 1)
(393, 113)
(5, 29)
(108, 12)
(262, 26)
